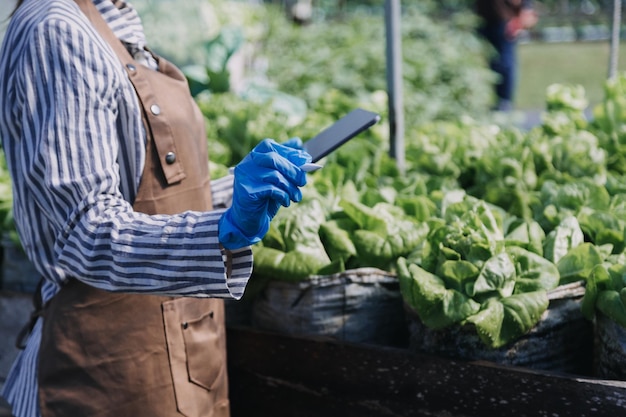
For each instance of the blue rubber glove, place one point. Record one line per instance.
(295, 143)
(267, 178)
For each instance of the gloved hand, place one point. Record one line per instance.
(267, 178)
(295, 143)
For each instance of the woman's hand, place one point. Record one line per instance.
(267, 178)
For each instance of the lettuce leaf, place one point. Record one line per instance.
(502, 321)
(603, 227)
(606, 291)
(335, 236)
(533, 272)
(564, 237)
(610, 303)
(527, 234)
(578, 263)
(497, 278)
(286, 266)
(458, 274)
(437, 306)
(293, 250)
(384, 233)
(598, 279)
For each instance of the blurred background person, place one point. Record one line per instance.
(502, 21)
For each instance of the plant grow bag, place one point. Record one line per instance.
(609, 349)
(362, 305)
(561, 341)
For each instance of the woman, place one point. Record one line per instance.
(114, 206)
(501, 23)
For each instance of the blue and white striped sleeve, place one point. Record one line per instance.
(222, 191)
(70, 122)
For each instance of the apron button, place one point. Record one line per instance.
(155, 109)
(170, 158)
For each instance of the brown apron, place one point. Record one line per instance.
(127, 355)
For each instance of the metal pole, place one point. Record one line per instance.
(615, 35)
(394, 82)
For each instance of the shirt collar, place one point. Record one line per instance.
(123, 19)
(126, 24)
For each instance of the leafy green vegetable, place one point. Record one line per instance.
(384, 233)
(335, 236)
(603, 227)
(496, 279)
(606, 292)
(612, 305)
(466, 266)
(214, 74)
(533, 272)
(526, 234)
(437, 306)
(562, 239)
(578, 263)
(458, 274)
(501, 321)
(298, 251)
(608, 121)
(598, 279)
(445, 73)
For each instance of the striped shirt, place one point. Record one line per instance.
(71, 128)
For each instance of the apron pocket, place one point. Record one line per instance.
(203, 342)
(194, 329)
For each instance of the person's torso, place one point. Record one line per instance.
(38, 230)
(183, 338)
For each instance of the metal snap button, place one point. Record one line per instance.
(185, 325)
(155, 109)
(131, 67)
(170, 158)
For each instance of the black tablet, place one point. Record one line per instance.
(340, 132)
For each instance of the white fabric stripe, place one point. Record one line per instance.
(74, 204)
(20, 389)
(222, 190)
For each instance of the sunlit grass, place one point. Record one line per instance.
(541, 64)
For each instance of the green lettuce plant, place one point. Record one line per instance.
(473, 274)
(606, 292)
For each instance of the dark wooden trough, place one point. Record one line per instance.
(278, 375)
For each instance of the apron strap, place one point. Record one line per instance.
(39, 307)
(173, 170)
